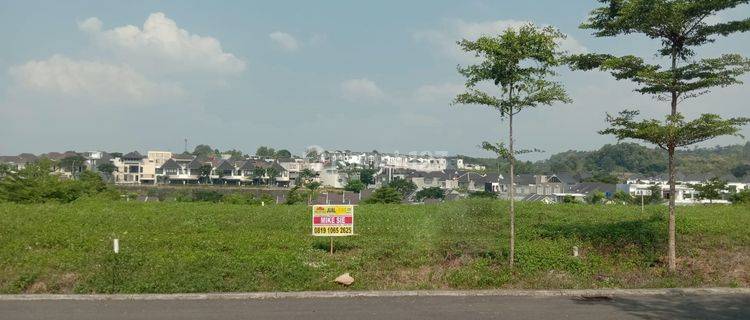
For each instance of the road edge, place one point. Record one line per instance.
(355, 294)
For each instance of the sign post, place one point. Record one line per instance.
(642, 193)
(332, 221)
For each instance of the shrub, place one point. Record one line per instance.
(207, 196)
(430, 193)
(384, 195)
(483, 194)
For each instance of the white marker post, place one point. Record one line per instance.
(116, 249)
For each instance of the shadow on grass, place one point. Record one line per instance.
(647, 236)
(681, 306)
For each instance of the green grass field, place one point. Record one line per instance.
(174, 247)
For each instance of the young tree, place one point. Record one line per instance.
(680, 26)
(711, 189)
(367, 176)
(106, 168)
(312, 186)
(384, 195)
(354, 186)
(403, 186)
(519, 61)
(204, 171)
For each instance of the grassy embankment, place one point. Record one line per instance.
(204, 247)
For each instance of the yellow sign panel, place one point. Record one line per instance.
(333, 220)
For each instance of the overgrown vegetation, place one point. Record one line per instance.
(222, 247)
(35, 184)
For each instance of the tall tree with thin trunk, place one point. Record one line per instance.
(674, 75)
(519, 61)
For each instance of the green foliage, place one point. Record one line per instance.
(234, 153)
(519, 61)
(622, 197)
(403, 186)
(354, 186)
(603, 178)
(711, 189)
(430, 193)
(595, 197)
(246, 199)
(36, 184)
(483, 194)
(203, 150)
(741, 170)
(265, 152)
(367, 176)
(106, 167)
(384, 195)
(675, 131)
(283, 153)
(741, 197)
(207, 196)
(294, 196)
(72, 163)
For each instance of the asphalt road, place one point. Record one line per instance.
(426, 307)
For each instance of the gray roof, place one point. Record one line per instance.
(537, 197)
(589, 187)
(133, 155)
(170, 164)
(225, 165)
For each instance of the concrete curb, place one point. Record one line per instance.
(354, 294)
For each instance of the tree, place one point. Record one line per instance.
(203, 150)
(72, 163)
(283, 153)
(312, 186)
(367, 176)
(312, 154)
(622, 197)
(741, 170)
(384, 195)
(430, 193)
(106, 168)
(305, 175)
(742, 197)
(711, 189)
(519, 62)
(354, 186)
(680, 26)
(272, 173)
(204, 171)
(234, 153)
(403, 186)
(265, 152)
(294, 196)
(595, 197)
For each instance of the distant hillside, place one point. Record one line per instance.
(634, 158)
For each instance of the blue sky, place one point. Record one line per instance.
(89, 75)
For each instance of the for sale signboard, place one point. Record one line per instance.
(332, 220)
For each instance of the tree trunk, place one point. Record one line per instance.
(672, 189)
(512, 189)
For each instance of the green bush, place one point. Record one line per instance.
(430, 193)
(384, 195)
(36, 183)
(207, 196)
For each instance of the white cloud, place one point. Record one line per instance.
(162, 45)
(445, 39)
(90, 80)
(357, 89)
(284, 40)
(444, 92)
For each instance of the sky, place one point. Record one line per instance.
(357, 75)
